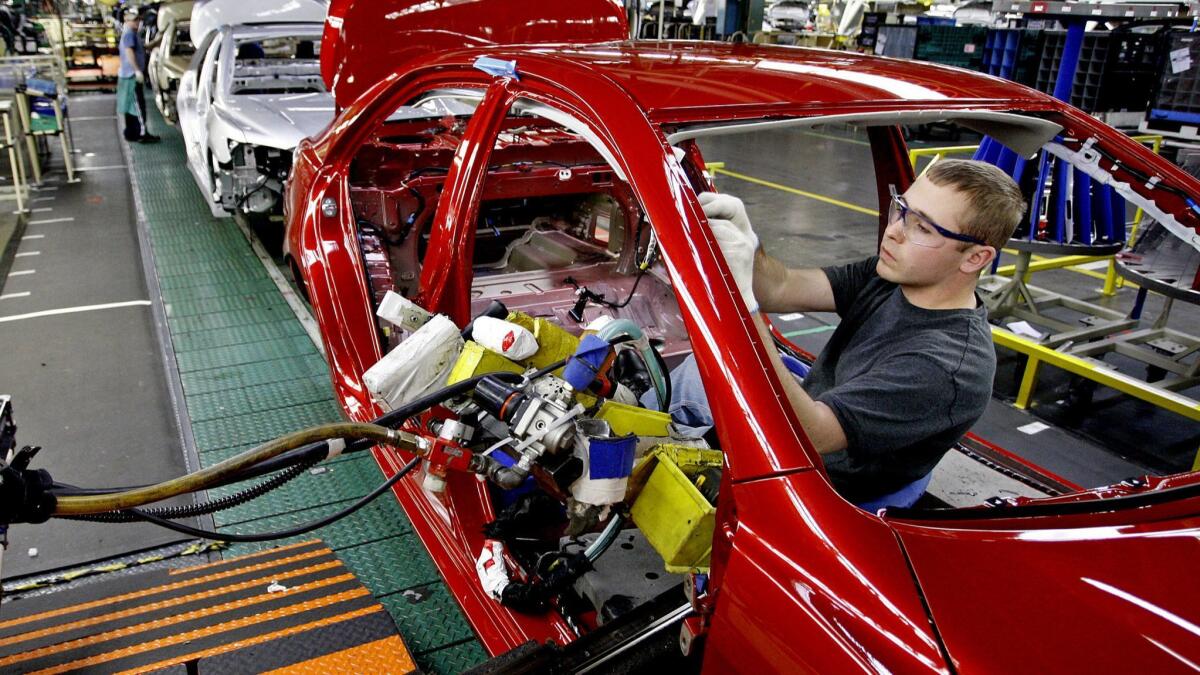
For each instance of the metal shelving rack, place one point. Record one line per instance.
(1077, 60)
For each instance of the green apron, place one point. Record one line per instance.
(127, 97)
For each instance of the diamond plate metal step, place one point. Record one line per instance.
(249, 374)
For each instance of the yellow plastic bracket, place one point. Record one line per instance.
(630, 419)
(670, 511)
(475, 360)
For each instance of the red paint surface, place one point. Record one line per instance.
(803, 581)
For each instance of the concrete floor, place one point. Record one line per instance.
(87, 376)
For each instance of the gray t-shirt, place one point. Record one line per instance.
(905, 382)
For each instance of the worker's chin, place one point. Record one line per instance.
(886, 272)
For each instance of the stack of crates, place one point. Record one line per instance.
(871, 22)
(896, 41)
(1013, 53)
(1178, 95)
(960, 46)
(1085, 90)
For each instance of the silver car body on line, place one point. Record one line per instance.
(242, 116)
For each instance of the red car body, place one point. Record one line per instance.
(801, 580)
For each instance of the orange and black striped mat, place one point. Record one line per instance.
(290, 609)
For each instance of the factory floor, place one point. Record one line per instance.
(217, 361)
(145, 337)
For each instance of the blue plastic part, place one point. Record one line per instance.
(1083, 208)
(1018, 170)
(41, 86)
(1059, 195)
(1035, 203)
(1175, 116)
(995, 152)
(497, 67)
(795, 366)
(1070, 59)
(1102, 201)
(1117, 233)
(1139, 304)
(984, 146)
(1007, 160)
(581, 370)
(611, 457)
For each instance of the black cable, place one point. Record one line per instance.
(246, 197)
(632, 291)
(1141, 176)
(642, 269)
(234, 537)
(662, 364)
(318, 450)
(397, 417)
(207, 507)
(302, 459)
(559, 364)
(548, 369)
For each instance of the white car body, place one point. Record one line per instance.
(170, 59)
(210, 15)
(242, 118)
(788, 15)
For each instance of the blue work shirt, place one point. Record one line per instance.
(129, 38)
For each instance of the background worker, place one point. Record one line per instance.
(131, 78)
(909, 368)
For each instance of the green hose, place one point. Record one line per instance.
(625, 327)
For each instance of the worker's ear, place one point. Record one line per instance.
(976, 258)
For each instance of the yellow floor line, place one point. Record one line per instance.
(836, 138)
(802, 193)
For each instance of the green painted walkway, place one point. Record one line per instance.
(249, 374)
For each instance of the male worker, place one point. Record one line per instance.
(131, 78)
(909, 369)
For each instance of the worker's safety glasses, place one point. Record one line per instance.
(920, 230)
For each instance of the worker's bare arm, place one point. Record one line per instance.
(779, 288)
(820, 423)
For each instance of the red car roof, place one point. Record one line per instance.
(364, 41)
(673, 75)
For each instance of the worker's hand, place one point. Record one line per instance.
(739, 251)
(139, 76)
(730, 208)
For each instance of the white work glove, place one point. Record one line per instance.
(140, 77)
(739, 251)
(731, 228)
(728, 207)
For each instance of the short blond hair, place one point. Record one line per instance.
(994, 203)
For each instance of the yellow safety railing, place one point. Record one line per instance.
(938, 153)
(1108, 377)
